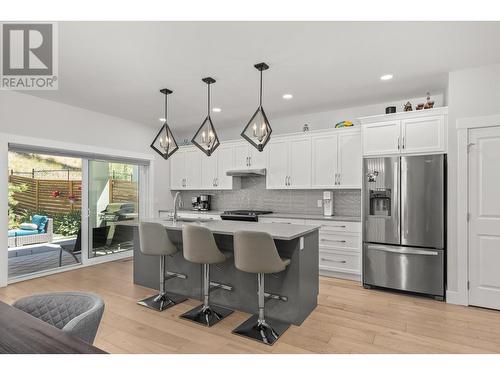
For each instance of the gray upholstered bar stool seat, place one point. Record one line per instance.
(154, 241)
(76, 313)
(256, 252)
(199, 247)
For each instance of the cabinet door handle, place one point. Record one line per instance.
(404, 141)
(249, 161)
(334, 260)
(338, 179)
(216, 181)
(289, 181)
(333, 226)
(325, 240)
(398, 144)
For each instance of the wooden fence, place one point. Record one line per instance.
(38, 196)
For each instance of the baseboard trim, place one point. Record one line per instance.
(456, 298)
(340, 275)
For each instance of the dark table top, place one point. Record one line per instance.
(21, 333)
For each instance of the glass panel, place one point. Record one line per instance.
(113, 198)
(44, 197)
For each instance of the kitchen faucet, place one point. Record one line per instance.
(176, 216)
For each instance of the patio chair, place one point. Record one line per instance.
(76, 313)
(99, 240)
(72, 249)
(24, 237)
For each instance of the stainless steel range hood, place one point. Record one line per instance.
(247, 172)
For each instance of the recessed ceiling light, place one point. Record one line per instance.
(162, 119)
(386, 77)
(215, 109)
(287, 96)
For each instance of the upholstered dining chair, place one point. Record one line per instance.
(77, 313)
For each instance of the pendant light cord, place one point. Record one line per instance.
(166, 107)
(208, 106)
(260, 98)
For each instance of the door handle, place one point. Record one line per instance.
(398, 144)
(338, 178)
(402, 250)
(325, 240)
(216, 181)
(404, 141)
(249, 161)
(289, 181)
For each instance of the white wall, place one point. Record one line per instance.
(31, 116)
(317, 120)
(471, 92)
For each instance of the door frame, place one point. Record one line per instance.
(6, 139)
(463, 125)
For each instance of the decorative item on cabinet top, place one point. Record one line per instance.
(206, 138)
(258, 131)
(344, 124)
(164, 142)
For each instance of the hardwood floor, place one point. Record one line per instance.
(348, 319)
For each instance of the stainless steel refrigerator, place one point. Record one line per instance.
(404, 223)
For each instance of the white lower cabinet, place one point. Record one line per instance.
(339, 248)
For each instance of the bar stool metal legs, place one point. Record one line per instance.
(207, 314)
(257, 327)
(163, 301)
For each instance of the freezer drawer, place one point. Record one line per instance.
(405, 268)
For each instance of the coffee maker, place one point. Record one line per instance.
(201, 202)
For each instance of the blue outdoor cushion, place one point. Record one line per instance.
(41, 221)
(12, 232)
(23, 232)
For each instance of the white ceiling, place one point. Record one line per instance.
(117, 68)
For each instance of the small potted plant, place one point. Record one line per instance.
(72, 198)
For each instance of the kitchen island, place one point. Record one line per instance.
(298, 283)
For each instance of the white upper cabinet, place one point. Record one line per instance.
(224, 163)
(423, 135)
(416, 132)
(349, 161)
(289, 163)
(209, 170)
(177, 168)
(381, 138)
(193, 168)
(299, 168)
(277, 166)
(248, 157)
(324, 160)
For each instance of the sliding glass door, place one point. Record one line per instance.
(113, 199)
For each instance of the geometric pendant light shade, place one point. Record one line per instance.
(258, 130)
(164, 142)
(206, 138)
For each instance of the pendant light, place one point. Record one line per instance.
(258, 131)
(206, 138)
(164, 142)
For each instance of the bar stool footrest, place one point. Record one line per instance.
(267, 333)
(207, 316)
(162, 302)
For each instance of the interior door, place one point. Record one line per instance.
(209, 170)
(350, 161)
(324, 161)
(277, 168)
(300, 162)
(193, 168)
(484, 221)
(224, 163)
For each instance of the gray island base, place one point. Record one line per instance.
(298, 283)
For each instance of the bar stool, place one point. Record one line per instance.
(199, 247)
(154, 240)
(255, 252)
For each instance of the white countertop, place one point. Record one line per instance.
(313, 217)
(276, 230)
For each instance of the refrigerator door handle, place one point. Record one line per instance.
(403, 250)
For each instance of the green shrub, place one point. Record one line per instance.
(14, 219)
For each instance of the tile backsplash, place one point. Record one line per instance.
(253, 196)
